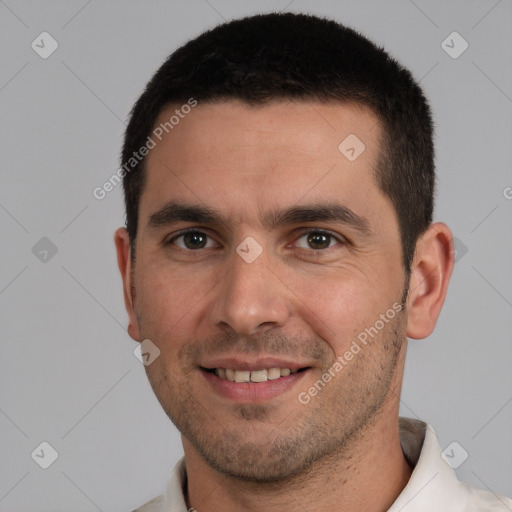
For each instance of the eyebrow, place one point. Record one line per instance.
(174, 212)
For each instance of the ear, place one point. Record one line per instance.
(124, 261)
(430, 274)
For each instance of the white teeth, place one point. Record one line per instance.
(253, 376)
(273, 373)
(242, 376)
(259, 376)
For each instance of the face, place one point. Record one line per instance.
(265, 254)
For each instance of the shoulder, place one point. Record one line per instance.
(154, 505)
(480, 500)
(173, 499)
(434, 484)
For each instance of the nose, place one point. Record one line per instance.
(250, 299)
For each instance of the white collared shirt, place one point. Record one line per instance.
(433, 486)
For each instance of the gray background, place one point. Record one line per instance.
(68, 375)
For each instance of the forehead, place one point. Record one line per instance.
(245, 159)
(300, 126)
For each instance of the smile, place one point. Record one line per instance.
(253, 376)
(249, 386)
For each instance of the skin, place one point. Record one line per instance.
(343, 446)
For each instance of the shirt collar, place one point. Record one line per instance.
(433, 484)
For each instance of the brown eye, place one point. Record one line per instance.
(192, 240)
(317, 240)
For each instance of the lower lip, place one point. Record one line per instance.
(243, 392)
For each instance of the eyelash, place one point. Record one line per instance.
(311, 252)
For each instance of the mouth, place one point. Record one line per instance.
(255, 385)
(254, 376)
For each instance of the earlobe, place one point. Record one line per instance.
(430, 274)
(124, 262)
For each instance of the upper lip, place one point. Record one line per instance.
(243, 363)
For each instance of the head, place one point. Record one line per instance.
(298, 157)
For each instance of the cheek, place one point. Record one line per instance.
(166, 309)
(339, 309)
(166, 302)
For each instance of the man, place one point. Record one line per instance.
(279, 250)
